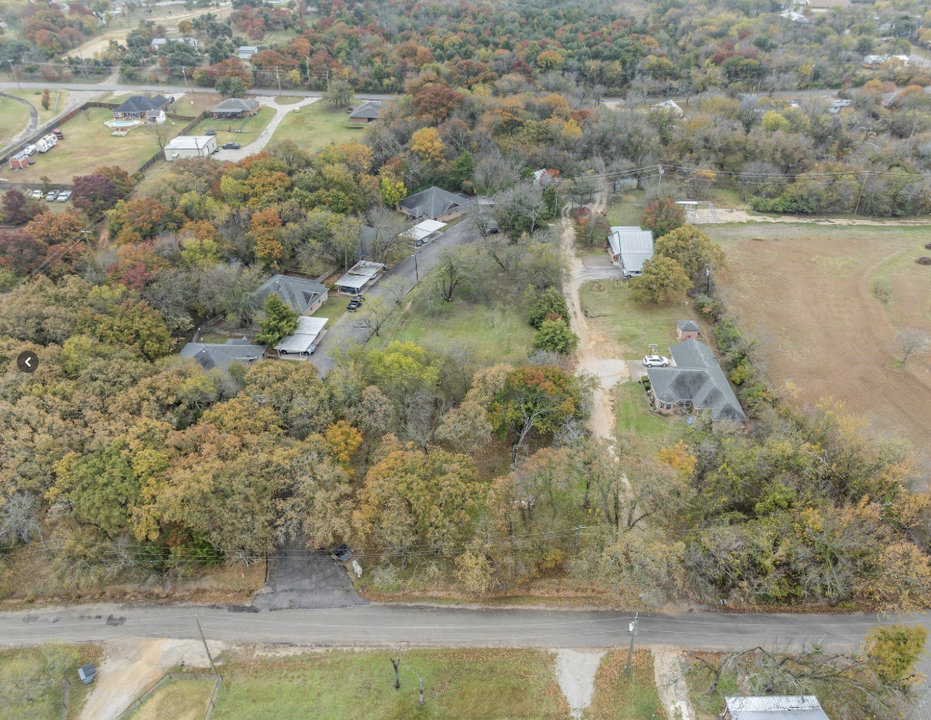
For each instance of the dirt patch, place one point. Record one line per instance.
(672, 683)
(719, 215)
(808, 299)
(575, 671)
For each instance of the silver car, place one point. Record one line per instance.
(655, 361)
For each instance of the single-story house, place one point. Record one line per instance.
(136, 107)
(210, 355)
(696, 380)
(303, 296)
(190, 146)
(688, 330)
(158, 42)
(360, 278)
(20, 161)
(235, 108)
(366, 113)
(630, 246)
(161, 42)
(795, 17)
(545, 177)
(425, 231)
(245, 52)
(433, 203)
(838, 104)
(776, 707)
(305, 339)
(670, 105)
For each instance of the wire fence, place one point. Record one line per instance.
(171, 677)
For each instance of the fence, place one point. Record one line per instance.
(65, 694)
(168, 677)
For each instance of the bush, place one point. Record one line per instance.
(662, 216)
(799, 206)
(550, 303)
(555, 336)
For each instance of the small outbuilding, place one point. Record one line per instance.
(220, 356)
(688, 330)
(630, 246)
(245, 52)
(309, 333)
(359, 278)
(20, 161)
(190, 146)
(424, 232)
(366, 113)
(670, 105)
(303, 296)
(775, 707)
(235, 108)
(434, 203)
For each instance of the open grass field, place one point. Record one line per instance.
(88, 144)
(807, 295)
(14, 117)
(34, 97)
(621, 697)
(30, 680)
(627, 208)
(241, 131)
(635, 417)
(467, 683)
(315, 127)
(178, 700)
(495, 328)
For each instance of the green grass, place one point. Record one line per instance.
(315, 126)
(178, 700)
(34, 97)
(31, 677)
(289, 99)
(241, 131)
(466, 683)
(635, 417)
(495, 328)
(633, 326)
(627, 209)
(88, 144)
(333, 308)
(14, 117)
(625, 697)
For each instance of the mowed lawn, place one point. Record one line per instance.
(242, 131)
(473, 684)
(34, 98)
(806, 293)
(178, 700)
(315, 126)
(619, 696)
(634, 417)
(14, 117)
(89, 144)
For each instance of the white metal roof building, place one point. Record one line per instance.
(188, 146)
(777, 707)
(309, 332)
(361, 276)
(631, 246)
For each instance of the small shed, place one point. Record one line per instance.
(688, 330)
(20, 161)
(359, 278)
(309, 333)
(87, 673)
(245, 52)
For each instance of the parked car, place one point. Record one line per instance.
(357, 299)
(59, 134)
(231, 146)
(210, 132)
(353, 306)
(342, 553)
(37, 194)
(655, 361)
(30, 149)
(64, 196)
(51, 196)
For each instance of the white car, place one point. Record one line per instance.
(37, 194)
(30, 149)
(655, 361)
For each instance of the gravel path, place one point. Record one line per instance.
(671, 683)
(268, 131)
(575, 670)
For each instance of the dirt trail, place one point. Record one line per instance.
(671, 684)
(708, 217)
(132, 665)
(595, 352)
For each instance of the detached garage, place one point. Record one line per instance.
(190, 146)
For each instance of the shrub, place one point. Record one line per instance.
(555, 336)
(550, 302)
(662, 216)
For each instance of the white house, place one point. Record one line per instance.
(190, 146)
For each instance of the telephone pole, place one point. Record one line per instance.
(860, 195)
(660, 177)
(278, 78)
(184, 72)
(13, 73)
(633, 636)
(206, 649)
(416, 269)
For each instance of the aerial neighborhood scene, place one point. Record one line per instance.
(468, 359)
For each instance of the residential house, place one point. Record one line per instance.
(303, 296)
(795, 17)
(778, 707)
(245, 52)
(822, 6)
(220, 357)
(234, 108)
(630, 246)
(696, 380)
(670, 105)
(544, 178)
(359, 278)
(434, 203)
(161, 42)
(190, 146)
(688, 330)
(158, 43)
(366, 113)
(309, 333)
(838, 104)
(136, 107)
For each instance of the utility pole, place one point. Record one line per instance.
(328, 79)
(660, 177)
(416, 269)
(278, 78)
(13, 73)
(206, 649)
(184, 72)
(633, 636)
(708, 275)
(420, 702)
(860, 195)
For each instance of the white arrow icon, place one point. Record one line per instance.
(28, 362)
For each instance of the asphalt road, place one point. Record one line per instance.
(347, 331)
(382, 625)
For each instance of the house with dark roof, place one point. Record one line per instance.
(433, 203)
(233, 108)
(774, 707)
(301, 295)
(136, 107)
(630, 246)
(216, 356)
(697, 381)
(366, 113)
(687, 330)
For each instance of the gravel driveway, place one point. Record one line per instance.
(265, 136)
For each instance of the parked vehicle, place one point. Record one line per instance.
(353, 306)
(210, 132)
(231, 146)
(342, 553)
(30, 149)
(64, 196)
(52, 196)
(655, 361)
(357, 299)
(59, 134)
(37, 194)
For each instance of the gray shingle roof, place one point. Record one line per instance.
(212, 356)
(367, 110)
(434, 202)
(696, 377)
(778, 707)
(297, 293)
(687, 326)
(141, 103)
(235, 105)
(633, 244)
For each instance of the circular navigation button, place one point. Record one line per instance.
(27, 361)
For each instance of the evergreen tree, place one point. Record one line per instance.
(279, 321)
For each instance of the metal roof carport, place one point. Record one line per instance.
(309, 332)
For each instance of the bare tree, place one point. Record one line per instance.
(385, 239)
(912, 341)
(373, 315)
